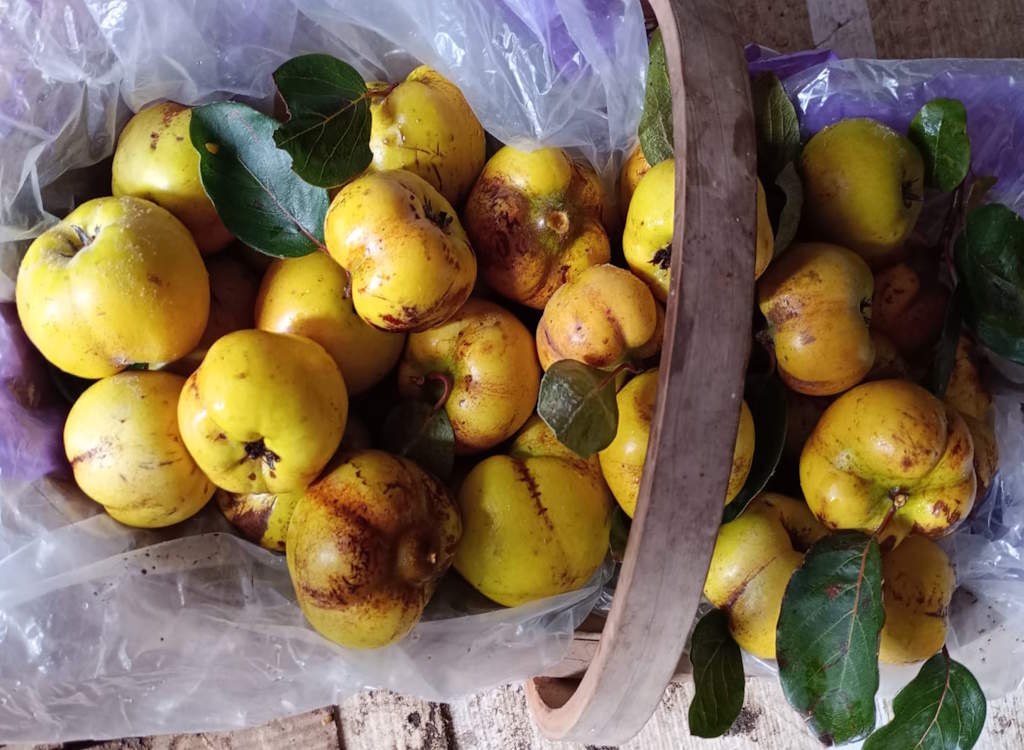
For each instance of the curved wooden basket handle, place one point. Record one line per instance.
(700, 386)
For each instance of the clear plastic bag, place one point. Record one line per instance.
(107, 631)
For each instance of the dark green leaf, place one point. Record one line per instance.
(942, 708)
(990, 263)
(621, 524)
(251, 183)
(578, 404)
(328, 127)
(939, 130)
(778, 129)
(717, 676)
(414, 430)
(137, 366)
(655, 129)
(945, 350)
(766, 397)
(828, 635)
(792, 189)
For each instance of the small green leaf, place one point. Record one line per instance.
(990, 263)
(578, 403)
(138, 366)
(945, 350)
(251, 183)
(328, 127)
(717, 676)
(415, 430)
(621, 524)
(777, 126)
(939, 130)
(655, 129)
(792, 190)
(942, 708)
(828, 635)
(766, 397)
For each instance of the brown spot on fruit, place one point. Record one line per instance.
(662, 258)
(154, 138)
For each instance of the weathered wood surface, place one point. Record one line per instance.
(498, 718)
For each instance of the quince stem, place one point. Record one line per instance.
(446, 387)
(899, 499)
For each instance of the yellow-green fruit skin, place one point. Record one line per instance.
(366, 547)
(126, 452)
(261, 517)
(535, 221)
(409, 259)
(426, 126)
(119, 281)
(647, 237)
(634, 167)
(490, 358)
(604, 317)
(885, 444)
(309, 296)
(815, 297)
(536, 521)
(155, 160)
(765, 248)
(863, 187)
(622, 462)
(917, 587)
(264, 412)
(752, 562)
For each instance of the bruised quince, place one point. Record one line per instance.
(889, 457)
(534, 218)
(425, 125)
(603, 318)
(409, 260)
(366, 546)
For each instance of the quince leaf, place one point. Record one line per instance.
(776, 125)
(990, 262)
(945, 350)
(717, 676)
(328, 128)
(939, 130)
(251, 183)
(788, 183)
(942, 708)
(978, 189)
(828, 635)
(766, 397)
(578, 403)
(415, 430)
(655, 129)
(621, 524)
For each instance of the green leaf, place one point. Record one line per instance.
(945, 350)
(578, 403)
(942, 708)
(328, 127)
(792, 190)
(766, 397)
(415, 430)
(69, 386)
(717, 676)
(978, 189)
(990, 263)
(655, 129)
(777, 126)
(251, 183)
(939, 130)
(621, 524)
(828, 635)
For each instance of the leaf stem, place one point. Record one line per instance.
(446, 387)
(633, 367)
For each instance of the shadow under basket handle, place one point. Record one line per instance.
(700, 386)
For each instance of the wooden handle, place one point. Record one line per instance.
(700, 386)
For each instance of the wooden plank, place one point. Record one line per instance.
(843, 26)
(783, 25)
(948, 28)
(382, 720)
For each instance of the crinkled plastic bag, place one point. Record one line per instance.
(986, 626)
(107, 631)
